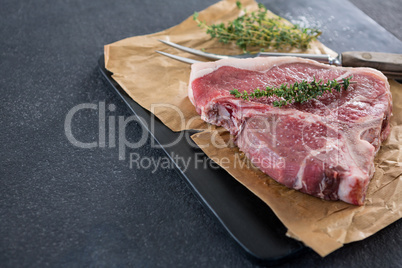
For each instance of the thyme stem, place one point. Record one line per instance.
(298, 92)
(258, 30)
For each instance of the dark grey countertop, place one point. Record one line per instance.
(61, 205)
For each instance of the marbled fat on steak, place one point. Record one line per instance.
(324, 147)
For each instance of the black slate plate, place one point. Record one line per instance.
(247, 219)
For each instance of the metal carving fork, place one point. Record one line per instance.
(390, 64)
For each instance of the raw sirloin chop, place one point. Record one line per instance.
(323, 147)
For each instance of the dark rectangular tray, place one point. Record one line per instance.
(246, 218)
(249, 220)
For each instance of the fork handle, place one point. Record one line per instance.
(385, 62)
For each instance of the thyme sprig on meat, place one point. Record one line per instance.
(298, 92)
(259, 30)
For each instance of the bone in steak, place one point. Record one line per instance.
(324, 147)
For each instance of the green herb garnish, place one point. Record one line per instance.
(257, 29)
(298, 92)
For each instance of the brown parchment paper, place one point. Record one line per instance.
(159, 84)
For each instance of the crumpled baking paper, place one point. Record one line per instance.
(159, 84)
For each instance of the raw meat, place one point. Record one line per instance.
(324, 147)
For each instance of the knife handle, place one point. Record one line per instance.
(390, 64)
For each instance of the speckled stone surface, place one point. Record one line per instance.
(61, 205)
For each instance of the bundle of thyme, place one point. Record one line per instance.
(257, 29)
(298, 92)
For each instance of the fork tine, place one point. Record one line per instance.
(185, 60)
(195, 51)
